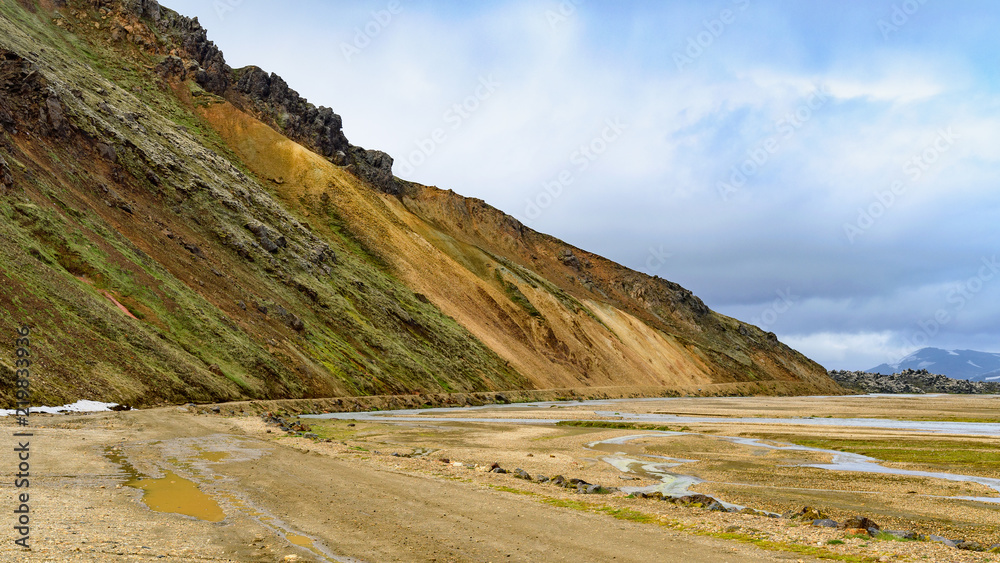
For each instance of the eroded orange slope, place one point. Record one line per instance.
(550, 336)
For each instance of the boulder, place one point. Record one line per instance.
(107, 152)
(825, 523)
(696, 500)
(569, 259)
(374, 167)
(297, 324)
(55, 114)
(903, 534)
(809, 513)
(860, 522)
(172, 67)
(6, 177)
(143, 8)
(969, 545)
(265, 237)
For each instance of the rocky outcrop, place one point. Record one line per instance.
(143, 8)
(264, 94)
(375, 167)
(911, 381)
(192, 56)
(270, 96)
(6, 178)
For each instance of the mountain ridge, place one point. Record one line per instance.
(960, 364)
(910, 381)
(179, 230)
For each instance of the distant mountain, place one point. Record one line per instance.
(959, 364)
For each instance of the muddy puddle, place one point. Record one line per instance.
(170, 493)
(175, 494)
(212, 456)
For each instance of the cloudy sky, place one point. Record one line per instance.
(826, 170)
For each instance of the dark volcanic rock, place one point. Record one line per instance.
(317, 127)
(809, 513)
(6, 178)
(143, 8)
(696, 500)
(374, 167)
(55, 114)
(267, 239)
(970, 546)
(860, 522)
(903, 534)
(911, 381)
(263, 94)
(172, 67)
(212, 72)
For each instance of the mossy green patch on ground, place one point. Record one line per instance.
(516, 296)
(613, 424)
(884, 536)
(512, 490)
(976, 454)
(640, 517)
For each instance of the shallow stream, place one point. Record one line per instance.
(632, 460)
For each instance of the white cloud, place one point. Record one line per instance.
(656, 186)
(852, 351)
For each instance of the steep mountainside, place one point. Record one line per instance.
(174, 229)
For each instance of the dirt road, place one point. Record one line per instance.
(281, 502)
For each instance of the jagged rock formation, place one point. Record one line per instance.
(911, 381)
(161, 231)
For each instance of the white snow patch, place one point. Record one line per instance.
(79, 406)
(924, 365)
(972, 364)
(952, 353)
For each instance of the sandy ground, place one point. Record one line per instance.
(278, 498)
